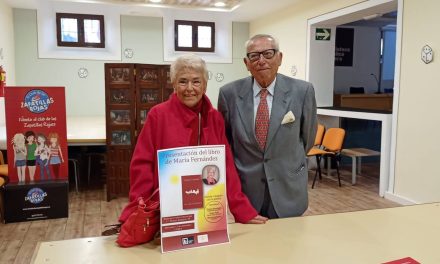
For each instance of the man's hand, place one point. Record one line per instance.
(258, 220)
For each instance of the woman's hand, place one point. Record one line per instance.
(258, 220)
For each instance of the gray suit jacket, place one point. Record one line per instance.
(283, 163)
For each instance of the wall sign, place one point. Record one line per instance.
(344, 47)
(323, 34)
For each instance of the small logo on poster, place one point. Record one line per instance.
(187, 241)
(37, 101)
(35, 195)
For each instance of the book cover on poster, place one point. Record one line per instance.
(193, 200)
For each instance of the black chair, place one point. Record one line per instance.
(357, 90)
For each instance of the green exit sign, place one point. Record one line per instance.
(322, 34)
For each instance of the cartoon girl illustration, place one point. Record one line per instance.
(20, 153)
(55, 156)
(42, 156)
(31, 146)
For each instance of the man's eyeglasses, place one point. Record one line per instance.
(267, 54)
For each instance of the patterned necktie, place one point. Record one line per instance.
(262, 120)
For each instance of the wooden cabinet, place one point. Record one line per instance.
(130, 90)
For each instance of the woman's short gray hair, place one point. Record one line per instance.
(188, 62)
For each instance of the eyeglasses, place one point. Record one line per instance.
(267, 54)
(184, 83)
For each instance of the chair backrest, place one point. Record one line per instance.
(357, 90)
(319, 135)
(333, 139)
(2, 160)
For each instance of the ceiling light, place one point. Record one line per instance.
(219, 4)
(155, 1)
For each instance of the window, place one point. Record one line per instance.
(194, 36)
(78, 30)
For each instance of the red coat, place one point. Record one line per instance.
(168, 125)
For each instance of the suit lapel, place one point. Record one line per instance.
(245, 108)
(280, 105)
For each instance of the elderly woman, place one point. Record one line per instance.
(175, 123)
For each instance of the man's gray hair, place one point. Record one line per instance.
(188, 62)
(275, 43)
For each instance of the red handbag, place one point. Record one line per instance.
(143, 224)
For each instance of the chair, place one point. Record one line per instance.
(332, 146)
(319, 135)
(4, 179)
(357, 90)
(318, 140)
(3, 166)
(100, 156)
(75, 172)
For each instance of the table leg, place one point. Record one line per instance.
(353, 170)
(359, 165)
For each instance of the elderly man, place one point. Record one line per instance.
(270, 123)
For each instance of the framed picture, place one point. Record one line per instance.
(150, 96)
(143, 115)
(120, 117)
(149, 75)
(119, 96)
(120, 75)
(121, 138)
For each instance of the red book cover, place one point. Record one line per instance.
(36, 133)
(192, 192)
(406, 260)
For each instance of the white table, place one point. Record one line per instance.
(373, 236)
(357, 153)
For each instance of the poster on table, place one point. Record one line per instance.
(36, 134)
(193, 201)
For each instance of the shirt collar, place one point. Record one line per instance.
(256, 87)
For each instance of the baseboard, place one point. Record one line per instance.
(399, 199)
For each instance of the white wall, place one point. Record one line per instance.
(290, 27)
(417, 171)
(86, 97)
(7, 53)
(366, 56)
(322, 62)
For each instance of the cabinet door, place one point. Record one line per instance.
(166, 81)
(118, 174)
(120, 125)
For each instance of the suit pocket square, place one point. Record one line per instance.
(288, 118)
